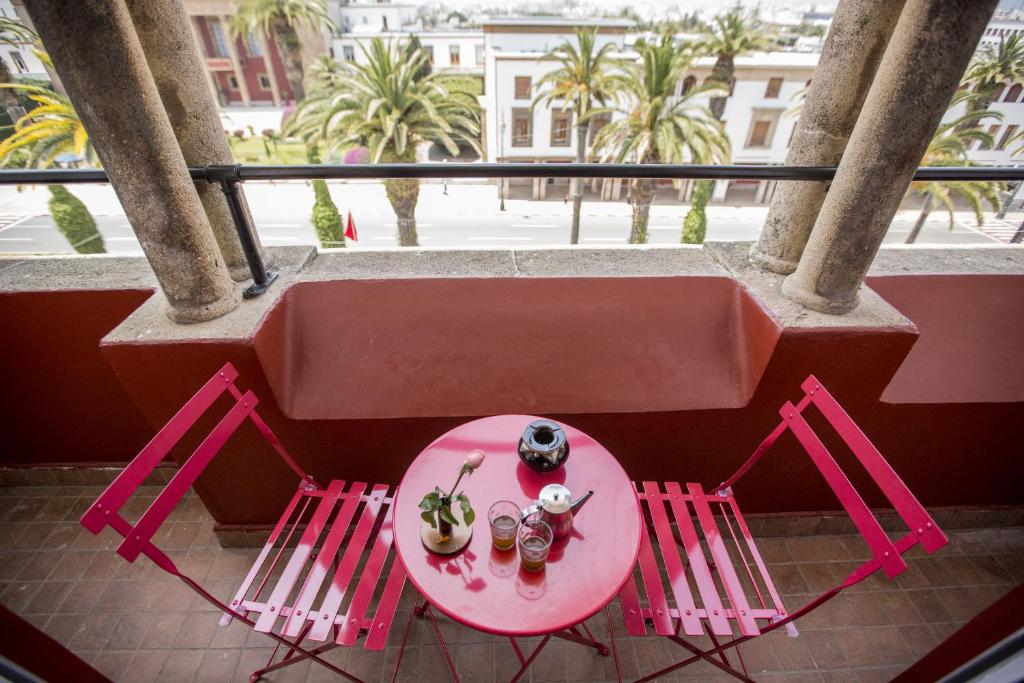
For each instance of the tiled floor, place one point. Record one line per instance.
(135, 623)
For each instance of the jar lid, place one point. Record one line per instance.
(555, 498)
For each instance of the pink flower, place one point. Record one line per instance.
(475, 458)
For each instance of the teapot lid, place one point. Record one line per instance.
(555, 498)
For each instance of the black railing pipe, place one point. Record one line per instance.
(517, 170)
(230, 179)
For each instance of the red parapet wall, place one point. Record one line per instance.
(61, 402)
(678, 377)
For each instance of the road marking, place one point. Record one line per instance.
(17, 239)
(16, 223)
(499, 238)
(535, 225)
(418, 225)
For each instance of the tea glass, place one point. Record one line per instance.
(503, 518)
(535, 539)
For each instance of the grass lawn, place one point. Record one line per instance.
(252, 151)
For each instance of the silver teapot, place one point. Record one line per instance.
(556, 508)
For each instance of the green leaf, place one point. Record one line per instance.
(467, 510)
(430, 502)
(446, 515)
(428, 517)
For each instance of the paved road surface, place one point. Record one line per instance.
(467, 216)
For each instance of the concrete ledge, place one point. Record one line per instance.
(949, 260)
(47, 274)
(400, 264)
(766, 287)
(643, 261)
(150, 323)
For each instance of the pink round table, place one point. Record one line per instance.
(485, 589)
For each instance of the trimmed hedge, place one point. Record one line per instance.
(75, 222)
(326, 218)
(695, 225)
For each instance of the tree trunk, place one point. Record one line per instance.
(641, 194)
(916, 230)
(287, 41)
(576, 184)
(403, 194)
(723, 71)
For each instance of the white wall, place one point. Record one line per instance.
(369, 17)
(441, 43)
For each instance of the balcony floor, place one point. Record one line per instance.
(133, 622)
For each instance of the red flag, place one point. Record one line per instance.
(350, 229)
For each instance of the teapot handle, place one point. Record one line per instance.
(531, 509)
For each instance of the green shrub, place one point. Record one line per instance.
(326, 218)
(74, 221)
(695, 225)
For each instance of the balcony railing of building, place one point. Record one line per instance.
(231, 177)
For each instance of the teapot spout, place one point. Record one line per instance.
(579, 503)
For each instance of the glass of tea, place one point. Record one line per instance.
(504, 520)
(534, 543)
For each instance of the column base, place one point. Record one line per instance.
(771, 263)
(793, 290)
(185, 315)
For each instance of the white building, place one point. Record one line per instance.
(456, 50)
(513, 130)
(21, 59)
(370, 17)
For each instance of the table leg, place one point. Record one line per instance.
(440, 640)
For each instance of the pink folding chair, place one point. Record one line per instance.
(349, 527)
(749, 602)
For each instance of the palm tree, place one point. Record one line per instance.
(659, 127)
(730, 35)
(280, 19)
(40, 136)
(949, 147)
(585, 84)
(383, 106)
(993, 67)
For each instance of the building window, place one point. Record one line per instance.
(1013, 94)
(688, 83)
(428, 50)
(523, 86)
(479, 55)
(220, 41)
(597, 123)
(19, 62)
(232, 83)
(522, 127)
(561, 124)
(993, 131)
(264, 82)
(252, 45)
(774, 86)
(348, 52)
(762, 127)
(1007, 134)
(453, 55)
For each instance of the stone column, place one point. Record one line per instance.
(243, 86)
(173, 58)
(926, 57)
(114, 93)
(268, 64)
(855, 44)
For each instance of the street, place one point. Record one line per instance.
(468, 216)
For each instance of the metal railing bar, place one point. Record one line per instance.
(515, 170)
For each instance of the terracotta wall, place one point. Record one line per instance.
(60, 401)
(64, 402)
